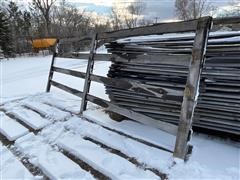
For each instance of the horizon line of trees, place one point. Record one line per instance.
(49, 18)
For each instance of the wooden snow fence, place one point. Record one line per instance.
(187, 97)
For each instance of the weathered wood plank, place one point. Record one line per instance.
(89, 71)
(226, 20)
(134, 86)
(176, 27)
(144, 58)
(76, 39)
(191, 89)
(69, 72)
(51, 67)
(170, 128)
(67, 88)
(151, 59)
(85, 56)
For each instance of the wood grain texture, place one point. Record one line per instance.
(192, 86)
(89, 71)
(51, 67)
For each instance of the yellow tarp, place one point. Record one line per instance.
(43, 43)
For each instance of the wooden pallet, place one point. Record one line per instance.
(43, 138)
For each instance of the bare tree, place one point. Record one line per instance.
(67, 20)
(234, 11)
(44, 6)
(116, 17)
(192, 9)
(127, 16)
(135, 10)
(145, 22)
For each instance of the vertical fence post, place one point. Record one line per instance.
(88, 73)
(51, 67)
(191, 88)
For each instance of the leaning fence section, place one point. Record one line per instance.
(186, 96)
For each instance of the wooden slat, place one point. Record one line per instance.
(176, 27)
(75, 39)
(134, 86)
(89, 71)
(70, 72)
(226, 20)
(183, 60)
(51, 67)
(158, 92)
(66, 88)
(170, 128)
(97, 57)
(192, 85)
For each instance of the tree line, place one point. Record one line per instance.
(59, 19)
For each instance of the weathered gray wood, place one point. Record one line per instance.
(176, 111)
(192, 85)
(189, 39)
(223, 72)
(70, 72)
(158, 92)
(51, 67)
(176, 27)
(213, 127)
(141, 97)
(226, 20)
(66, 88)
(204, 116)
(222, 66)
(134, 86)
(97, 57)
(151, 59)
(76, 39)
(169, 128)
(88, 73)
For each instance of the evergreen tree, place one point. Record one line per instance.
(27, 23)
(16, 25)
(5, 36)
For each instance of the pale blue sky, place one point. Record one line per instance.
(163, 9)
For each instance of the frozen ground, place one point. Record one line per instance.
(212, 158)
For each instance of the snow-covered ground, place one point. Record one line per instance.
(23, 76)
(212, 158)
